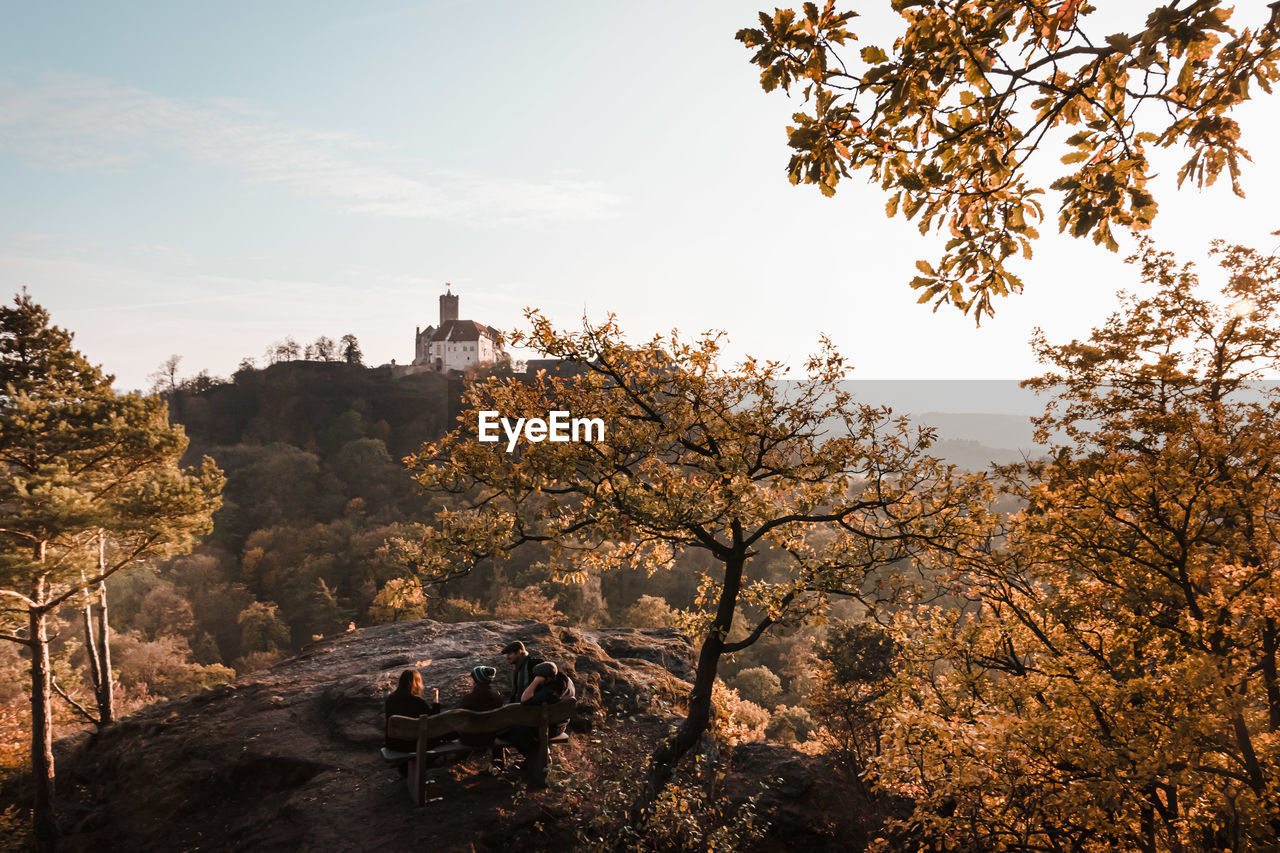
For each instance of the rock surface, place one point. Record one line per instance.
(287, 759)
(809, 802)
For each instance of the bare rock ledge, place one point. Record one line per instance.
(287, 759)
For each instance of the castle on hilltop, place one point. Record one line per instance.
(455, 344)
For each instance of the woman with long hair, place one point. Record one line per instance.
(407, 701)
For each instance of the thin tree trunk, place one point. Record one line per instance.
(106, 687)
(46, 828)
(91, 649)
(91, 645)
(662, 763)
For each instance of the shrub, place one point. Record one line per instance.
(790, 725)
(528, 603)
(858, 660)
(759, 685)
(692, 813)
(164, 666)
(736, 719)
(649, 611)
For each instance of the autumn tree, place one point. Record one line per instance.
(399, 598)
(956, 117)
(89, 484)
(528, 602)
(695, 456)
(649, 611)
(856, 665)
(261, 630)
(788, 724)
(1113, 683)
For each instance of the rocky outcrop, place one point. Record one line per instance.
(287, 759)
(809, 802)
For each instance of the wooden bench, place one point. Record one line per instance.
(427, 728)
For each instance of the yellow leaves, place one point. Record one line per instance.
(874, 55)
(944, 95)
(1121, 42)
(1122, 626)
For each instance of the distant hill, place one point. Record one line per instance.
(973, 396)
(974, 441)
(973, 455)
(316, 406)
(1005, 432)
(980, 420)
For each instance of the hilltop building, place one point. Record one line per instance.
(455, 344)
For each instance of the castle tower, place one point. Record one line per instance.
(448, 306)
(455, 345)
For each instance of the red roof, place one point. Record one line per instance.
(462, 330)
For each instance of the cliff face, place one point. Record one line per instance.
(287, 759)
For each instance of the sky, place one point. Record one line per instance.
(207, 179)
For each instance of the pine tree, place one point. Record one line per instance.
(89, 483)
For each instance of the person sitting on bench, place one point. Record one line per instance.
(481, 698)
(522, 664)
(548, 686)
(406, 701)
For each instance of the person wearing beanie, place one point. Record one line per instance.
(481, 698)
(523, 664)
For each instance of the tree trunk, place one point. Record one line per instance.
(106, 685)
(91, 651)
(46, 829)
(662, 763)
(1269, 675)
(91, 643)
(97, 645)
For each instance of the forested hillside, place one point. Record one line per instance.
(315, 487)
(929, 676)
(312, 453)
(316, 405)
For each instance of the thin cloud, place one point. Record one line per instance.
(104, 286)
(88, 123)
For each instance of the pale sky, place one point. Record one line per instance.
(205, 179)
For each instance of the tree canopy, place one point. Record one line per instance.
(953, 115)
(1112, 683)
(89, 484)
(732, 462)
